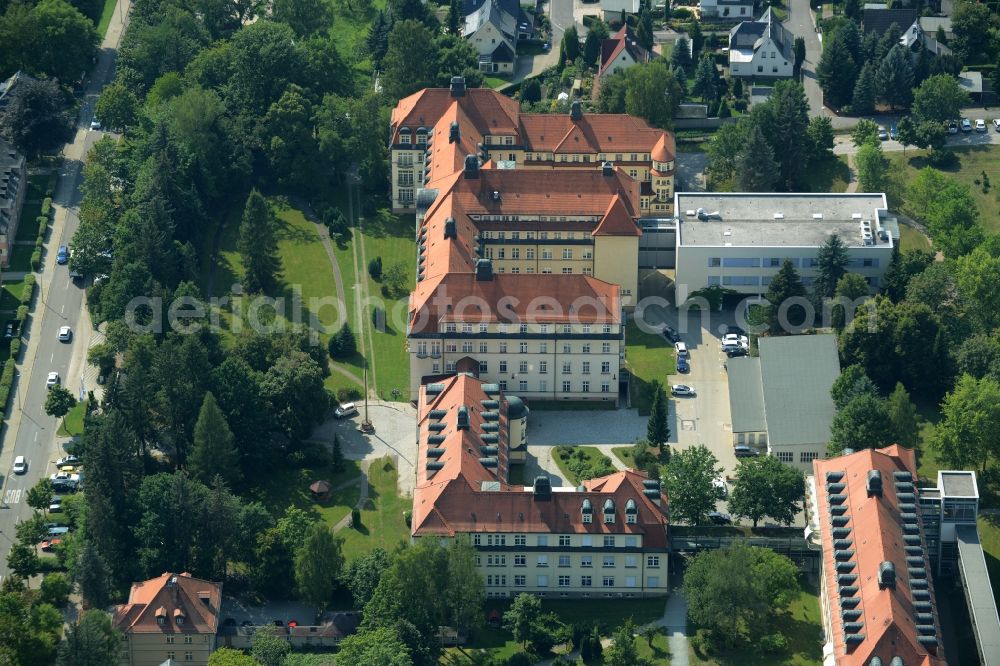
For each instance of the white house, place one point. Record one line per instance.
(733, 9)
(617, 10)
(493, 28)
(761, 48)
(621, 52)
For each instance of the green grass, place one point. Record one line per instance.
(10, 296)
(285, 487)
(72, 423)
(27, 226)
(832, 175)
(591, 456)
(911, 239)
(800, 624)
(494, 81)
(989, 535)
(973, 161)
(382, 521)
(106, 14)
(624, 453)
(20, 258)
(648, 357)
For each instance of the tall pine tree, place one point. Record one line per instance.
(454, 17)
(657, 428)
(257, 244)
(832, 262)
(756, 168)
(863, 101)
(784, 285)
(894, 79)
(213, 452)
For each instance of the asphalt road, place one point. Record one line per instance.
(58, 303)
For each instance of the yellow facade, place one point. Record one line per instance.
(616, 261)
(152, 649)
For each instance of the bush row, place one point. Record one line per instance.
(6, 382)
(46, 206)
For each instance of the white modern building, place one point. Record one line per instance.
(732, 9)
(740, 240)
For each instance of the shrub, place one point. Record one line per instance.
(356, 518)
(316, 455)
(740, 105)
(6, 382)
(22, 313)
(773, 643)
(296, 459)
(29, 290)
(942, 159)
(15, 347)
(349, 394)
(682, 13)
(46, 206)
(39, 243)
(36, 259)
(375, 268)
(408, 518)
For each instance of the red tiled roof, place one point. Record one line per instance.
(485, 108)
(170, 597)
(593, 133)
(623, 40)
(888, 614)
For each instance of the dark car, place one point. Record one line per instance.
(682, 364)
(62, 255)
(743, 451)
(670, 334)
(733, 352)
(735, 330)
(720, 518)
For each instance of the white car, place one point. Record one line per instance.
(20, 465)
(345, 410)
(966, 125)
(65, 334)
(681, 349)
(68, 460)
(681, 389)
(720, 486)
(65, 477)
(52, 380)
(55, 506)
(980, 125)
(95, 124)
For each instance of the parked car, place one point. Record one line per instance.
(20, 465)
(52, 380)
(720, 518)
(345, 410)
(65, 334)
(733, 352)
(743, 451)
(670, 334)
(892, 132)
(681, 349)
(735, 330)
(882, 134)
(55, 506)
(996, 124)
(952, 127)
(48, 544)
(95, 124)
(62, 255)
(720, 485)
(58, 531)
(681, 389)
(980, 125)
(966, 125)
(68, 460)
(682, 364)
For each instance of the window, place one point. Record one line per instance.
(168, 639)
(529, 253)
(567, 367)
(406, 196)
(483, 347)
(808, 456)
(522, 386)
(785, 456)
(515, 253)
(543, 540)
(585, 387)
(520, 540)
(189, 639)
(564, 539)
(522, 366)
(629, 581)
(523, 347)
(503, 347)
(566, 349)
(760, 68)
(631, 542)
(546, 254)
(714, 262)
(466, 347)
(609, 541)
(608, 562)
(586, 348)
(585, 581)
(567, 270)
(477, 539)
(483, 328)
(588, 518)
(587, 561)
(630, 518)
(519, 581)
(653, 581)
(171, 655)
(605, 347)
(653, 561)
(605, 367)
(609, 518)
(543, 561)
(564, 560)
(503, 366)
(542, 581)
(565, 387)
(543, 367)
(503, 384)
(543, 386)
(563, 581)
(586, 367)
(741, 262)
(605, 387)
(609, 581)
(567, 254)
(520, 561)
(451, 347)
(630, 562)
(543, 347)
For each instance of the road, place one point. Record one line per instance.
(561, 17)
(30, 432)
(842, 144)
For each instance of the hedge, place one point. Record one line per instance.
(22, 313)
(29, 290)
(46, 206)
(36, 259)
(6, 382)
(15, 347)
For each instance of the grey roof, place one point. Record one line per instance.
(504, 14)
(879, 20)
(797, 372)
(958, 484)
(746, 396)
(981, 602)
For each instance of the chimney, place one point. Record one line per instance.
(463, 418)
(542, 489)
(608, 169)
(449, 228)
(576, 110)
(455, 134)
(172, 586)
(874, 486)
(458, 86)
(471, 167)
(484, 270)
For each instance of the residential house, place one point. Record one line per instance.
(740, 240)
(917, 35)
(606, 538)
(13, 191)
(761, 48)
(491, 125)
(780, 400)
(494, 27)
(8, 86)
(878, 18)
(618, 10)
(736, 10)
(174, 616)
(877, 599)
(619, 53)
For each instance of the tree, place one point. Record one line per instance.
(305, 17)
(785, 285)
(374, 647)
(455, 18)
(117, 107)
(696, 36)
(35, 118)
(653, 93)
(894, 80)
(706, 79)
(903, 267)
(820, 134)
(799, 49)
(689, 484)
(863, 423)
(521, 617)
(766, 487)
(317, 565)
(59, 401)
(733, 591)
(39, 496)
(466, 590)
(289, 138)
(904, 417)
(644, 32)
(865, 132)
(836, 71)
(854, 288)
(977, 275)
(906, 132)
(257, 244)
(362, 574)
(213, 452)
(55, 589)
(411, 59)
(91, 641)
(569, 49)
(231, 657)
(831, 265)
(395, 279)
(293, 386)
(757, 170)
(784, 121)
(657, 428)
(939, 99)
(64, 40)
(91, 574)
(947, 208)
(269, 649)
(865, 92)
(725, 148)
(680, 57)
(342, 343)
(970, 23)
(591, 49)
(623, 651)
(872, 168)
(531, 91)
(965, 437)
(23, 561)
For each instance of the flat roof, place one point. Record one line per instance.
(958, 483)
(982, 604)
(746, 395)
(797, 372)
(776, 220)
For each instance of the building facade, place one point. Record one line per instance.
(492, 126)
(604, 539)
(736, 10)
(13, 190)
(619, 52)
(174, 616)
(761, 48)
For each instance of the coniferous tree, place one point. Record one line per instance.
(863, 100)
(681, 55)
(454, 17)
(894, 80)
(784, 285)
(213, 452)
(645, 31)
(832, 262)
(257, 244)
(757, 170)
(706, 79)
(570, 47)
(657, 428)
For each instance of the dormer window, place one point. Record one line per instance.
(587, 511)
(609, 511)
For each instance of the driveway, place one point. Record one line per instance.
(267, 613)
(842, 144)
(395, 436)
(691, 172)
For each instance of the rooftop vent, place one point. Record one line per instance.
(924, 618)
(837, 499)
(834, 488)
(886, 575)
(490, 404)
(576, 110)
(437, 414)
(435, 452)
(838, 510)
(854, 639)
(914, 561)
(902, 476)
(484, 270)
(608, 169)
(916, 572)
(922, 606)
(848, 590)
(845, 567)
(853, 627)
(458, 86)
(840, 521)
(874, 485)
(491, 389)
(542, 489)
(489, 450)
(817, 216)
(850, 615)
(471, 167)
(463, 418)
(488, 462)
(779, 216)
(841, 532)
(842, 544)
(850, 602)
(434, 465)
(437, 427)
(847, 579)
(435, 439)
(454, 133)
(897, 661)
(925, 629)
(843, 555)
(927, 641)
(834, 477)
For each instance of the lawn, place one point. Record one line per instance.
(974, 161)
(832, 175)
(382, 521)
(286, 486)
(27, 226)
(72, 423)
(911, 239)
(106, 14)
(624, 453)
(648, 357)
(592, 457)
(10, 296)
(801, 626)
(989, 535)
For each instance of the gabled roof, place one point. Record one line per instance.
(623, 40)
(170, 598)
(492, 12)
(878, 21)
(751, 35)
(884, 618)
(746, 395)
(486, 109)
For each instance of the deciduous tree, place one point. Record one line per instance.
(305, 17)
(374, 647)
(653, 93)
(872, 168)
(35, 118)
(59, 401)
(863, 423)
(766, 487)
(689, 484)
(117, 107)
(966, 436)
(318, 563)
(939, 99)
(904, 417)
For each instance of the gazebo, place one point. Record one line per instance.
(320, 489)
